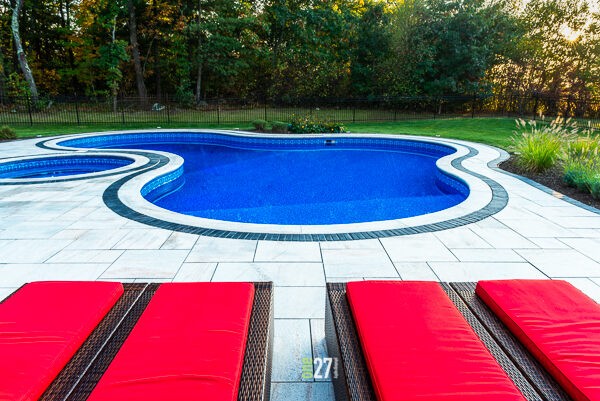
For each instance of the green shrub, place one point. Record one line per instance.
(260, 125)
(581, 164)
(7, 133)
(538, 146)
(279, 127)
(308, 124)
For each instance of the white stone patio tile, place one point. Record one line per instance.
(359, 244)
(584, 233)
(549, 243)
(561, 262)
(587, 286)
(578, 222)
(179, 240)
(539, 227)
(343, 279)
(489, 222)
(118, 279)
(474, 271)
(299, 302)
(78, 213)
(143, 239)
(69, 234)
(98, 239)
(291, 343)
(4, 292)
(503, 238)
(132, 224)
(85, 256)
(515, 213)
(461, 238)
(546, 200)
(15, 275)
(281, 274)
(147, 264)
(590, 247)
(152, 280)
(33, 230)
(101, 214)
(416, 248)
(397, 278)
(318, 391)
(209, 249)
(416, 271)
(357, 263)
(108, 224)
(287, 251)
(567, 210)
(487, 255)
(31, 250)
(10, 221)
(319, 348)
(195, 272)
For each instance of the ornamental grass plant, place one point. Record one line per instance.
(537, 146)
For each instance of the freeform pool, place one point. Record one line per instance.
(308, 181)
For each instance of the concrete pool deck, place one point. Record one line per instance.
(64, 231)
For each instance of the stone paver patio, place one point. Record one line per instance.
(63, 231)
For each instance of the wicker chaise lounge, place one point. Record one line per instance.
(102, 331)
(355, 381)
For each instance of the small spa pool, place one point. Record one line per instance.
(60, 166)
(308, 181)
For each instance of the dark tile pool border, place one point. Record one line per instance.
(111, 200)
(498, 202)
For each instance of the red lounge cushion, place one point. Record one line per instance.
(418, 346)
(557, 323)
(189, 344)
(42, 326)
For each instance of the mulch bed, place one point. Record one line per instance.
(552, 178)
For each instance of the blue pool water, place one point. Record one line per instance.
(310, 183)
(49, 167)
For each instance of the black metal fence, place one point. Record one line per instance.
(166, 111)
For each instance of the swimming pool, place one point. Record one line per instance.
(303, 181)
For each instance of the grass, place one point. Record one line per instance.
(492, 131)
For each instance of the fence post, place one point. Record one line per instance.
(266, 110)
(218, 112)
(168, 110)
(77, 111)
(473, 107)
(122, 112)
(353, 112)
(29, 111)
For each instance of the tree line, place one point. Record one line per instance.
(194, 50)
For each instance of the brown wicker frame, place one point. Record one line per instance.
(352, 382)
(79, 377)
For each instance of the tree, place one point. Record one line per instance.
(371, 51)
(135, 52)
(457, 42)
(21, 56)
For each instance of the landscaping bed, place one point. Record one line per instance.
(553, 179)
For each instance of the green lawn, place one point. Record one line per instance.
(493, 131)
